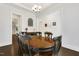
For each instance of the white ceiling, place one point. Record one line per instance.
(30, 5)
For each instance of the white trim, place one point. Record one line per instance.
(5, 45)
(71, 47)
(22, 6)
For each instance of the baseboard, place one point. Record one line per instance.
(5, 45)
(74, 48)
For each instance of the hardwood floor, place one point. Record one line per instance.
(68, 52)
(6, 51)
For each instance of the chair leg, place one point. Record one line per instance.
(29, 51)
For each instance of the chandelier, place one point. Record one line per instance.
(36, 8)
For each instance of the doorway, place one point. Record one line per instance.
(16, 23)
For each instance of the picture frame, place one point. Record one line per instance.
(54, 23)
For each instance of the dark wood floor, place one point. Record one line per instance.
(68, 52)
(6, 51)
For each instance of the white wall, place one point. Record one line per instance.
(50, 15)
(5, 25)
(25, 14)
(6, 11)
(67, 18)
(70, 26)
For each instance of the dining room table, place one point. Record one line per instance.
(40, 42)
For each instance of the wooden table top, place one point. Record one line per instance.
(37, 42)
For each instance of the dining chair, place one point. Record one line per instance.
(22, 50)
(57, 44)
(48, 35)
(47, 51)
(39, 34)
(26, 49)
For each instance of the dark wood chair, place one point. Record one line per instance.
(26, 49)
(47, 51)
(21, 49)
(39, 34)
(57, 44)
(48, 35)
(31, 33)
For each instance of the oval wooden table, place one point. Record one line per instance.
(40, 43)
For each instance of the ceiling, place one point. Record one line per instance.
(30, 5)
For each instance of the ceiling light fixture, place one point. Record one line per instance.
(36, 8)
